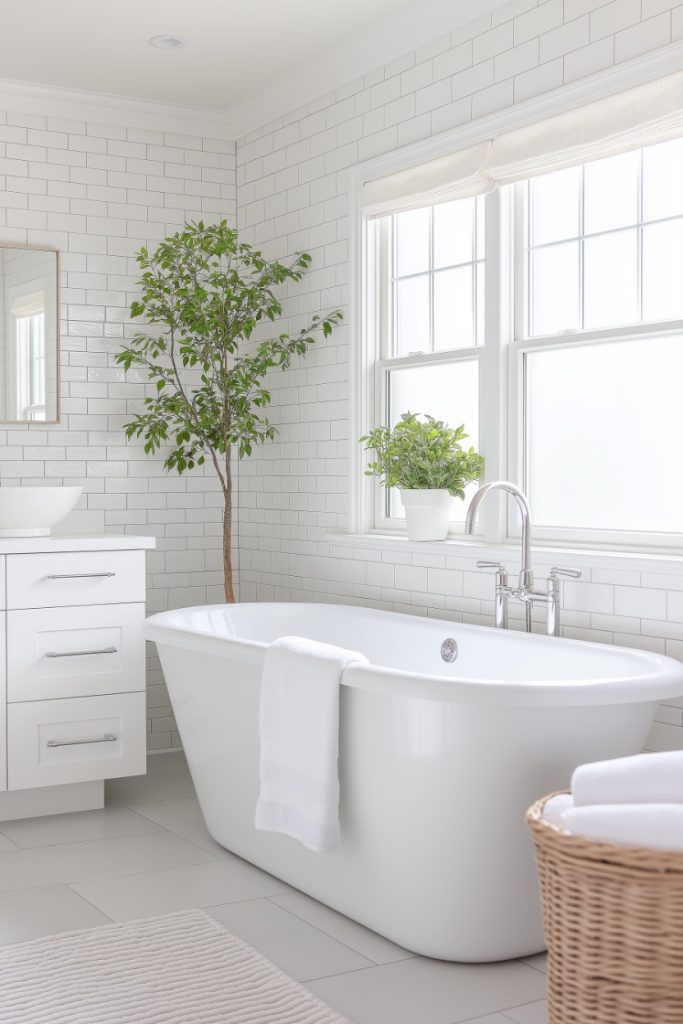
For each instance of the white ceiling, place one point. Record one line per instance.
(246, 62)
(236, 47)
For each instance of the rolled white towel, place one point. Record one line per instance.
(642, 779)
(654, 826)
(554, 808)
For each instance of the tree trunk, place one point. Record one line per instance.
(227, 549)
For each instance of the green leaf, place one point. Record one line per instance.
(422, 453)
(202, 295)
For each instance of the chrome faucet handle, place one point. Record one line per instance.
(557, 571)
(497, 566)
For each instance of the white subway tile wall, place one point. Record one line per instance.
(98, 193)
(292, 190)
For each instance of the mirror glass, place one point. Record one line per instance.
(29, 334)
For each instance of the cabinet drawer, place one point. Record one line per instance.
(81, 739)
(75, 577)
(75, 652)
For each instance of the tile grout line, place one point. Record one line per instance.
(85, 899)
(411, 956)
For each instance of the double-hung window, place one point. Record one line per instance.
(547, 316)
(427, 275)
(599, 347)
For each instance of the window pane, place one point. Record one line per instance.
(481, 227)
(555, 289)
(412, 315)
(663, 270)
(663, 180)
(611, 279)
(481, 304)
(454, 233)
(453, 309)
(605, 427)
(412, 241)
(555, 206)
(449, 392)
(611, 193)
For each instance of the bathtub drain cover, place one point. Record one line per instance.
(449, 649)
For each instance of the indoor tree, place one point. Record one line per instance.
(204, 293)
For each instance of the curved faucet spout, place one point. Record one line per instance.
(525, 576)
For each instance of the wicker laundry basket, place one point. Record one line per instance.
(614, 928)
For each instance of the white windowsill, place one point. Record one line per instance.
(509, 552)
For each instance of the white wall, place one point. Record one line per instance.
(98, 192)
(292, 178)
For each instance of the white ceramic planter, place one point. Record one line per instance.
(426, 513)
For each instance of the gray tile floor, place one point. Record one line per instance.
(148, 852)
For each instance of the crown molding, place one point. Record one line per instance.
(129, 112)
(409, 29)
(416, 26)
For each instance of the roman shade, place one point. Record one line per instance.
(456, 176)
(641, 116)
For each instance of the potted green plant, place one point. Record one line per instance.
(425, 459)
(204, 295)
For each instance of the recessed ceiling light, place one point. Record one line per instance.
(167, 42)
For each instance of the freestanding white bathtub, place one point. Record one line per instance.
(438, 761)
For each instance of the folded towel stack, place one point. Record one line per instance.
(632, 801)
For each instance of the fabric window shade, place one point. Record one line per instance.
(639, 117)
(456, 176)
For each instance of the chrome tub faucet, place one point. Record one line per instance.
(525, 591)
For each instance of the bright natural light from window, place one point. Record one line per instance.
(437, 277)
(602, 424)
(605, 242)
(426, 271)
(579, 401)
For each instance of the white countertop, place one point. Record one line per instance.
(75, 542)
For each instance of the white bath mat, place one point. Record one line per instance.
(177, 969)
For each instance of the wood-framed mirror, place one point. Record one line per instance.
(29, 334)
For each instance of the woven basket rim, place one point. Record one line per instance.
(553, 837)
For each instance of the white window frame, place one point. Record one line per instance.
(522, 344)
(502, 355)
(378, 268)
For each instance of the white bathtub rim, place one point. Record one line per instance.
(664, 679)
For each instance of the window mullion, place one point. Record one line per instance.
(582, 244)
(492, 366)
(639, 235)
(431, 280)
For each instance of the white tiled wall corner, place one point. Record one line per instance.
(99, 192)
(292, 182)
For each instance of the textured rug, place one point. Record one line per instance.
(178, 969)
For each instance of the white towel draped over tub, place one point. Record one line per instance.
(299, 733)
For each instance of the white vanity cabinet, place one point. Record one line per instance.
(72, 670)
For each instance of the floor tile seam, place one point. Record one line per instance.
(321, 931)
(93, 839)
(341, 942)
(89, 902)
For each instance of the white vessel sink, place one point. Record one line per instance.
(33, 511)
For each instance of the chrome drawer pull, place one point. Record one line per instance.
(79, 654)
(78, 575)
(108, 737)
